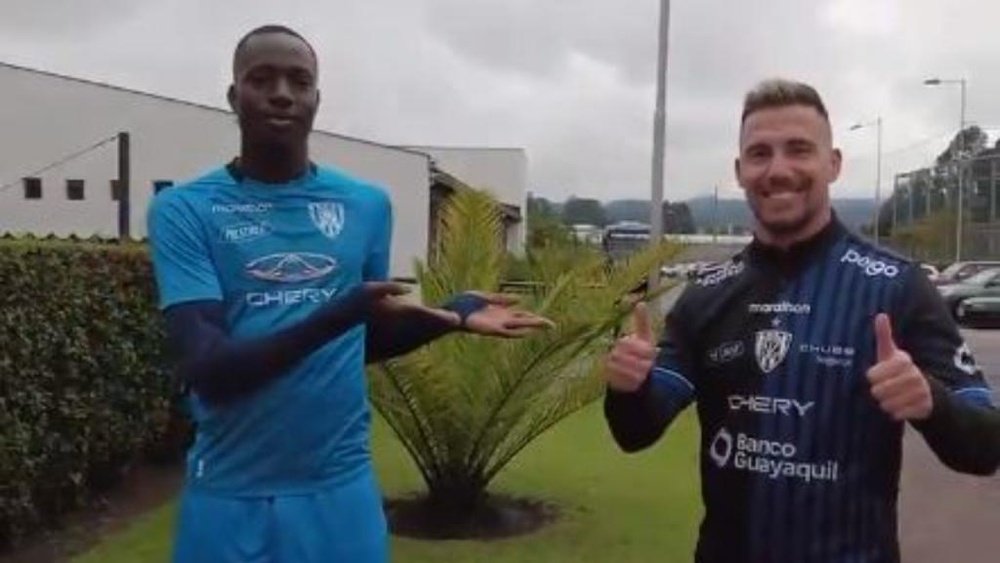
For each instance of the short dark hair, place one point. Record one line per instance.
(270, 28)
(778, 92)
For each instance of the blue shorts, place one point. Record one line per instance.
(333, 525)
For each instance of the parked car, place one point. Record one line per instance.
(979, 312)
(963, 270)
(984, 284)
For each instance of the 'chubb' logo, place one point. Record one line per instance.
(291, 267)
(771, 347)
(328, 216)
(871, 266)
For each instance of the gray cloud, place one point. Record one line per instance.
(570, 80)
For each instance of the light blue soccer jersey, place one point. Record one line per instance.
(273, 254)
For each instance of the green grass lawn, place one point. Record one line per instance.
(615, 507)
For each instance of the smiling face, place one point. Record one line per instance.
(274, 91)
(786, 165)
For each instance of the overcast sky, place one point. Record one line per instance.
(571, 81)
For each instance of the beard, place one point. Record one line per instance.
(785, 219)
(786, 225)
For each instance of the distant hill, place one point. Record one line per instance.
(853, 212)
(627, 210)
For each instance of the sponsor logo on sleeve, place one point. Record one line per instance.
(714, 275)
(965, 361)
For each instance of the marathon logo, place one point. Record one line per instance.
(784, 307)
(770, 458)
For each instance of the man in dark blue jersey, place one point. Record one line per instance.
(805, 354)
(272, 277)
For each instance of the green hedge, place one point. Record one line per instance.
(83, 388)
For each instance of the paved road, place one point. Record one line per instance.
(945, 516)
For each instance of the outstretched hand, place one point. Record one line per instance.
(500, 316)
(487, 314)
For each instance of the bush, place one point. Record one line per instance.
(83, 384)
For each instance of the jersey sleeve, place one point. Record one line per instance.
(376, 266)
(963, 428)
(931, 337)
(182, 261)
(637, 420)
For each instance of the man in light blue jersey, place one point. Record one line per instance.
(271, 273)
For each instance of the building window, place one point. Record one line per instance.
(116, 193)
(160, 185)
(74, 190)
(32, 188)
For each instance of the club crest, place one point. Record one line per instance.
(328, 216)
(771, 348)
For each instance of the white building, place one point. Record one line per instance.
(59, 159)
(503, 172)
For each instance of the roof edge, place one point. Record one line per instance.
(197, 105)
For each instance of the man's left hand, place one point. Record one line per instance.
(900, 388)
(499, 316)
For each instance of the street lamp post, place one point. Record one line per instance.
(659, 139)
(961, 149)
(878, 170)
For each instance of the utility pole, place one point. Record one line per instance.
(124, 189)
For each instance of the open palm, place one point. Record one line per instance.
(501, 317)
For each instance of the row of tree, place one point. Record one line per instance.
(677, 217)
(919, 216)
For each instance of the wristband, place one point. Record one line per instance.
(464, 304)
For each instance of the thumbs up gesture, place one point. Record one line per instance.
(897, 384)
(630, 361)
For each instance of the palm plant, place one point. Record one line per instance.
(464, 406)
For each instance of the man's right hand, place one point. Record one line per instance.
(630, 361)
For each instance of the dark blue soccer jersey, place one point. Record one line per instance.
(798, 462)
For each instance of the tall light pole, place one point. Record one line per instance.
(715, 216)
(961, 149)
(878, 170)
(659, 139)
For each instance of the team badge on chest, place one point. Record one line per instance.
(771, 347)
(328, 217)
